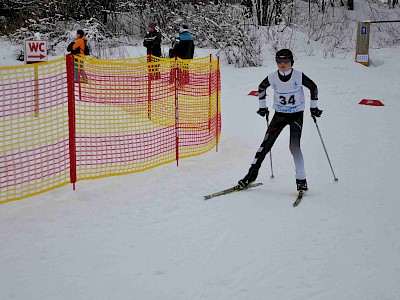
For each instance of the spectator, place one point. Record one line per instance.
(184, 49)
(78, 48)
(184, 45)
(152, 40)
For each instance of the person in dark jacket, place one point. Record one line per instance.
(152, 40)
(184, 45)
(184, 49)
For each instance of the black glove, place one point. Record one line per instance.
(171, 53)
(263, 112)
(315, 112)
(69, 48)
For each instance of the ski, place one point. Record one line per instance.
(299, 197)
(231, 190)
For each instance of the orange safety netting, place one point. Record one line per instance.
(81, 118)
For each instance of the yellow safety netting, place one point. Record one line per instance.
(81, 118)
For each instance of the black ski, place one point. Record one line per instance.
(299, 197)
(231, 190)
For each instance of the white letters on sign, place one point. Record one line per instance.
(35, 51)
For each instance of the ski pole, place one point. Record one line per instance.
(319, 132)
(270, 153)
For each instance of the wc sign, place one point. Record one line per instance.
(35, 51)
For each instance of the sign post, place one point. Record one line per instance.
(362, 44)
(35, 51)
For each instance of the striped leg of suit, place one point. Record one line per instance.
(278, 122)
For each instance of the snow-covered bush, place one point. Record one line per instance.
(383, 34)
(219, 26)
(230, 26)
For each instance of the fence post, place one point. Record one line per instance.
(176, 112)
(70, 61)
(36, 92)
(149, 79)
(209, 93)
(217, 103)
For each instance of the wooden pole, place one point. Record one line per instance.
(362, 43)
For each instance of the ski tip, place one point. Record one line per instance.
(297, 202)
(299, 197)
(231, 190)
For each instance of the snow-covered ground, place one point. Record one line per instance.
(151, 235)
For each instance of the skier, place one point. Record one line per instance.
(289, 105)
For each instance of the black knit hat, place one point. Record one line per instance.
(284, 54)
(81, 33)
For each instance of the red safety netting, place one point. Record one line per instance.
(80, 118)
(34, 138)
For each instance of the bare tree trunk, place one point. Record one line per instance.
(350, 4)
(260, 12)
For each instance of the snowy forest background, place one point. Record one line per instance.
(150, 235)
(238, 29)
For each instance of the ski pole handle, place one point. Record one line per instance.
(315, 119)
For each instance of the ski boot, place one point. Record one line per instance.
(301, 184)
(248, 179)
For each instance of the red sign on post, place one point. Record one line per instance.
(35, 51)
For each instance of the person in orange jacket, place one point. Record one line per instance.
(78, 48)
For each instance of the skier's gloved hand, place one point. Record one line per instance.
(263, 112)
(315, 112)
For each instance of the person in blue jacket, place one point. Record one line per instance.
(184, 45)
(184, 49)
